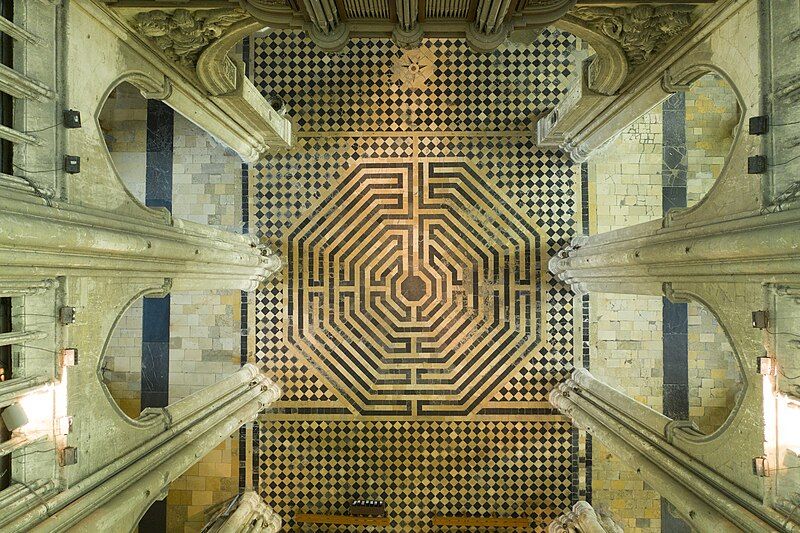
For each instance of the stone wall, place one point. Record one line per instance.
(625, 331)
(205, 327)
(122, 368)
(204, 340)
(123, 120)
(210, 482)
(206, 179)
(714, 377)
(625, 179)
(712, 113)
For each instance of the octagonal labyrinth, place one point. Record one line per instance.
(414, 288)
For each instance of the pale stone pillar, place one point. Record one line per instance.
(642, 414)
(583, 519)
(408, 32)
(251, 514)
(115, 496)
(14, 389)
(703, 498)
(762, 247)
(66, 239)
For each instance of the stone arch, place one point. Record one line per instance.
(129, 341)
(685, 81)
(215, 69)
(609, 67)
(145, 88)
(712, 351)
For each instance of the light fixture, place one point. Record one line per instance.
(66, 315)
(765, 365)
(760, 319)
(68, 456)
(760, 466)
(64, 425)
(14, 417)
(69, 357)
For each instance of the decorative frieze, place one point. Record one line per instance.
(183, 34)
(641, 30)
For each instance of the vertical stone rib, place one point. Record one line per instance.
(76, 239)
(325, 15)
(491, 14)
(13, 389)
(407, 14)
(11, 288)
(693, 509)
(20, 337)
(704, 499)
(136, 478)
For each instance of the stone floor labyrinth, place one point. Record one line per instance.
(415, 330)
(413, 288)
(415, 284)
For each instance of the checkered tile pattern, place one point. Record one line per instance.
(289, 184)
(299, 382)
(538, 185)
(314, 462)
(420, 469)
(356, 90)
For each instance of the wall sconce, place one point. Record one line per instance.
(766, 366)
(69, 357)
(760, 319)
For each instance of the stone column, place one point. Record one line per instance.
(583, 519)
(704, 499)
(251, 514)
(56, 239)
(14, 389)
(489, 30)
(327, 30)
(408, 32)
(115, 496)
(603, 393)
(760, 247)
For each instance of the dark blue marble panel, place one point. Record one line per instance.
(155, 320)
(160, 123)
(675, 315)
(155, 314)
(155, 374)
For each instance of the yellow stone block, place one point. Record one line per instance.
(201, 497)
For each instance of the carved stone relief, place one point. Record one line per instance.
(641, 31)
(182, 34)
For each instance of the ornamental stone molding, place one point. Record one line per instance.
(641, 30)
(183, 34)
(193, 46)
(331, 24)
(583, 518)
(413, 69)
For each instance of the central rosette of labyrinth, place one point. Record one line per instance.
(413, 288)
